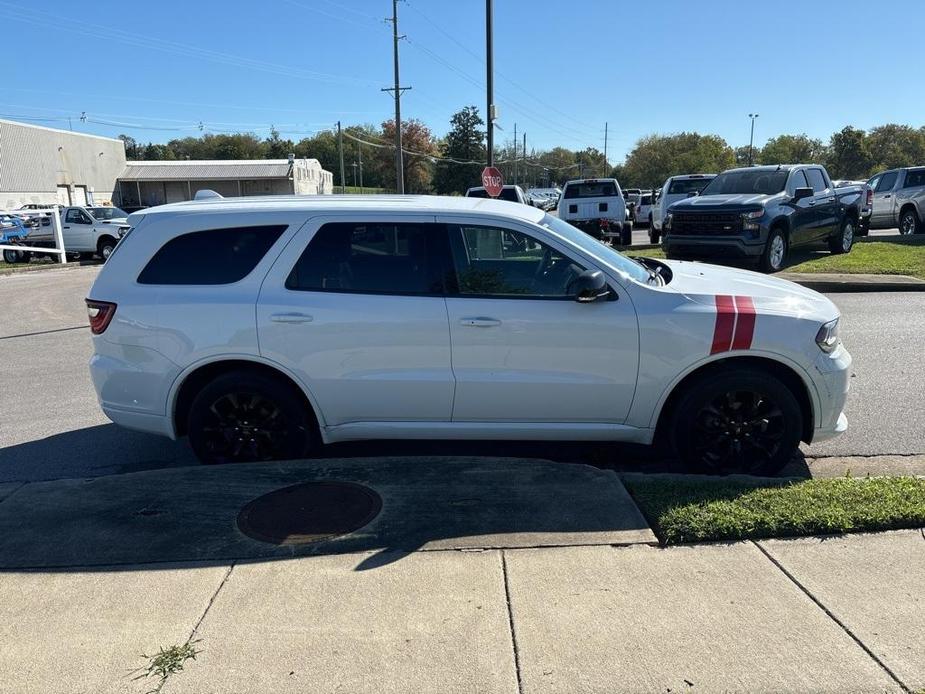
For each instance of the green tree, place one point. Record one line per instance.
(849, 156)
(465, 142)
(742, 155)
(131, 147)
(893, 145)
(792, 149)
(656, 157)
(276, 147)
(591, 163)
(323, 147)
(156, 152)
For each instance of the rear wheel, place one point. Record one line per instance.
(844, 239)
(736, 421)
(908, 222)
(775, 252)
(653, 234)
(12, 257)
(247, 417)
(626, 235)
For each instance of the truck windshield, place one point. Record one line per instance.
(753, 182)
(591, 189)
(687, 185)
(605, 254)
(104, 213)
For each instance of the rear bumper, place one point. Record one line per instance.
(691, 246)
(598, 228)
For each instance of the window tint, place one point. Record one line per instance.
(798, 180)
(687, 185)
(213, 256)
(816, 180)
(874, 182)
(888, 181)
(372, 258)
(915, 179)
(491, 261)
(590, 189)
(77, 217)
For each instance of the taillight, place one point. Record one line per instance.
(870, 196)
(100, 314)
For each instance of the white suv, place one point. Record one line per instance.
(263, 327)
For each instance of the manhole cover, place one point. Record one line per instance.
(309, 512)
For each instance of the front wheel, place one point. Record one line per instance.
(908, 223)
(246, 417)
(775, 252)
(736, 421)
(12, 257)
(844, 239)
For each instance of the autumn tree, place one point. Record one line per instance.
(419, 146)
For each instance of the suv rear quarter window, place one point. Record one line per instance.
(211, 256)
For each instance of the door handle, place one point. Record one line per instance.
(829, 200)
(291, 318)
(886, 197)
(480, 322)
(811, 203)
(65, 227)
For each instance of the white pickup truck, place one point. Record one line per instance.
(86, 231)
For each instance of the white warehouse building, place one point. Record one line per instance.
(46, 165)
(149, 183)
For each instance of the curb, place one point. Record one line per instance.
(848, 283)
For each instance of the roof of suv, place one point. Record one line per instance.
(429, 204)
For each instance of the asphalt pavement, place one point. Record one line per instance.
(52, 427)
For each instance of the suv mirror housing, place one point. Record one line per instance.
(803, 192)
(589, 286)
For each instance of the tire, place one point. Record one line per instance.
(653, 235)
(626, 235)
(843, 241)
(105, 247)
(909, 223)
(775, 252)
(12, 257)
(739, 420)
(242, 416)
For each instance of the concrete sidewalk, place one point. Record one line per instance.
(477, 576)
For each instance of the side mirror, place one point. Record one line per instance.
(590, 286)
(801, 193)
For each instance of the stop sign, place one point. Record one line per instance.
(491, 179)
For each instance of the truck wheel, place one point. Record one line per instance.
(12, 257)
(653, 234)
(739, 420)
(626, 235)
(844, 239)
(105, 247)
(775, 252)
(909, 222)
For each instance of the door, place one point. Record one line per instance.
(77, 230)
(64, 196)
(803, 220)
(825, 204)
(523, 349)
(882, 211)
(356, 309)
(80, 195)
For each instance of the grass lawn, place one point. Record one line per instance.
(691, 510)
(899, 256)
(645, 252)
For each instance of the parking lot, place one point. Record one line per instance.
(53, 427)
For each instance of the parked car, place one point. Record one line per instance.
(631, 195)
(597, 207)
(644, 209)
(899, 200)
(674, 189)
(510, 193)
(264, 329)
(86, 231)
(761, 212)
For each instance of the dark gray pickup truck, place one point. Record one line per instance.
(762, 212)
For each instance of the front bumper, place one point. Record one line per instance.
(832, 374)
(692, 246)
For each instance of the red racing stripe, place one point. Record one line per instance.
(725, 320)
(745, 325)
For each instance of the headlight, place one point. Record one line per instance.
(749, 222)
(827, 337)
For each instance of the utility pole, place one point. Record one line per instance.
(489, 62)
(524, 153)
(340, 150)
(515, 154)
(605, 149)
(360, 158)
(397, 91)
(354, 166)
(751, 138)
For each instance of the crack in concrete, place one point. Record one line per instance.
(510, 620)
(873, 656)
(211, 601)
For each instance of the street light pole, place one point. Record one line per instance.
(489, 81)
(751, 139)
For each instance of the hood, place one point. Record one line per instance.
(708, 202)
(702, 282)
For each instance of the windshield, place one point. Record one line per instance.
(591, 189)
(749, 182)
(687, 185)
(608, 255)
(104, 213)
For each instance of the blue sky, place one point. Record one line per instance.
(155, 70)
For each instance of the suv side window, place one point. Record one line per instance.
(212, 256)
(502, 263)
(887, 182)
(914, 179)
(373, 258)
(816, 180)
